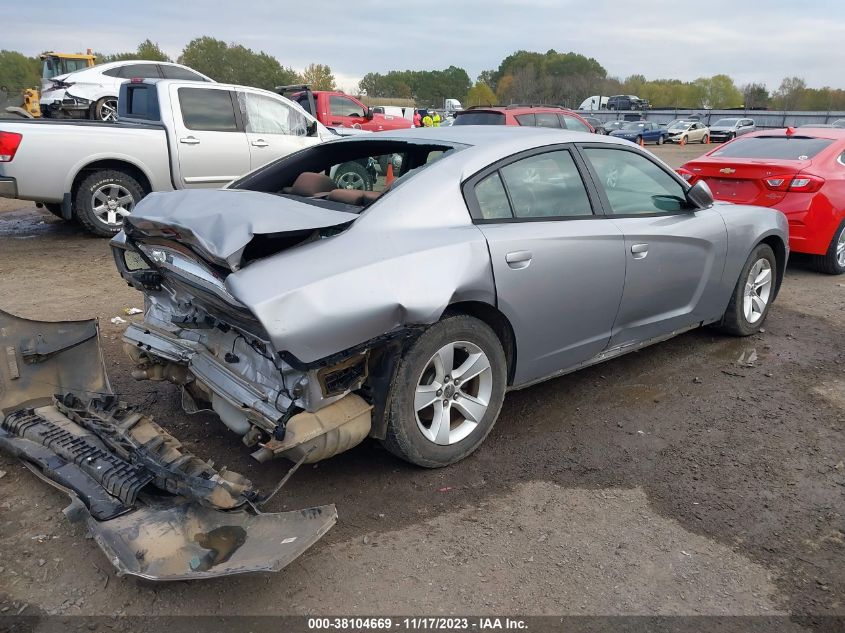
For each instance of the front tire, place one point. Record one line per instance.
(104, 198)
(753, 294)
(447, 393)
(833, 262)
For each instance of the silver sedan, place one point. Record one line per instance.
(482, 259)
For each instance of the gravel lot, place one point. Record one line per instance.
(700, 476)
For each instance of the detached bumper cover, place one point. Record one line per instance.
(157, 511)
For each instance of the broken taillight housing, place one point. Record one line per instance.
(802, 183)
(9, 143)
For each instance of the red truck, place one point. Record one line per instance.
(337, 109)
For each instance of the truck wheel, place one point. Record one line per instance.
(105, 110)
(447, 393)
(104, 198)
(353, 175)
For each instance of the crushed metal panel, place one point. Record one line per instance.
(190, 541)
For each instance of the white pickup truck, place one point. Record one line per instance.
(170, 135)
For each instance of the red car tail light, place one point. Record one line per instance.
(686, 175)
(806, 183)
(9, 143)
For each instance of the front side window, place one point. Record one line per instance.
(265, 115)
(209, 110)
(344, 106)
(178, 72)
(634, 185)
(546, 186)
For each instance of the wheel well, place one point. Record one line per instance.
(117, 165)
(779, 248)
(497, 321)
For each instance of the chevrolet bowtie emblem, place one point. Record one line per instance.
(727, 170)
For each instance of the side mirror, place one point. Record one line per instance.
(369, 114)
(311, 129)
(700, 195)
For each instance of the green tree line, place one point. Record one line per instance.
(522, 77)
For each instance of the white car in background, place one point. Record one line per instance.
(92, 93)
(688, 132)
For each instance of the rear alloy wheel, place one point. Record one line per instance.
(753, 293)
(833, 262)
(447, 393)
(105, 110)
(660, 140)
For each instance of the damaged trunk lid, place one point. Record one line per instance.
(222, 224)
(156, 510)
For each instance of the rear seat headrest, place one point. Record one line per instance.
(310, 183)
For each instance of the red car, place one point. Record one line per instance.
(799, 172)
(534, 116)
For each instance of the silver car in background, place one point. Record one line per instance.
(309, 317)
(728, 129)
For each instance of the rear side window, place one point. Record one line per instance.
(546, 186)
(177, 72)
(778, 147)
(145, 71)
(480, 118)
(526, 119)
(547, 120)
(492, 199)
(210, 110)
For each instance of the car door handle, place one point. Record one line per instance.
(336, 122)
(639, 251)
(518, 259)
(260, 142)
(189, 140)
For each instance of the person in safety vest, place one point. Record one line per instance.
(427, 121)
(436, 119)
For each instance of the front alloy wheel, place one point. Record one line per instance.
(446, 393)
(758, 290)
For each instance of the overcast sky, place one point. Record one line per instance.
(760, 41)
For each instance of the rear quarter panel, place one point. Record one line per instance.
(747, 227)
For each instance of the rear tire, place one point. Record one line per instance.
(833, 262)
(660, 140)
(705, 139)
(424, 376)
(104, 198)
(105, 110)
(753, 294)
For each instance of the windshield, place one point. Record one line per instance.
(680, 125)
(632, 125)
(726, 122)
(778, 147)
(480, 118)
